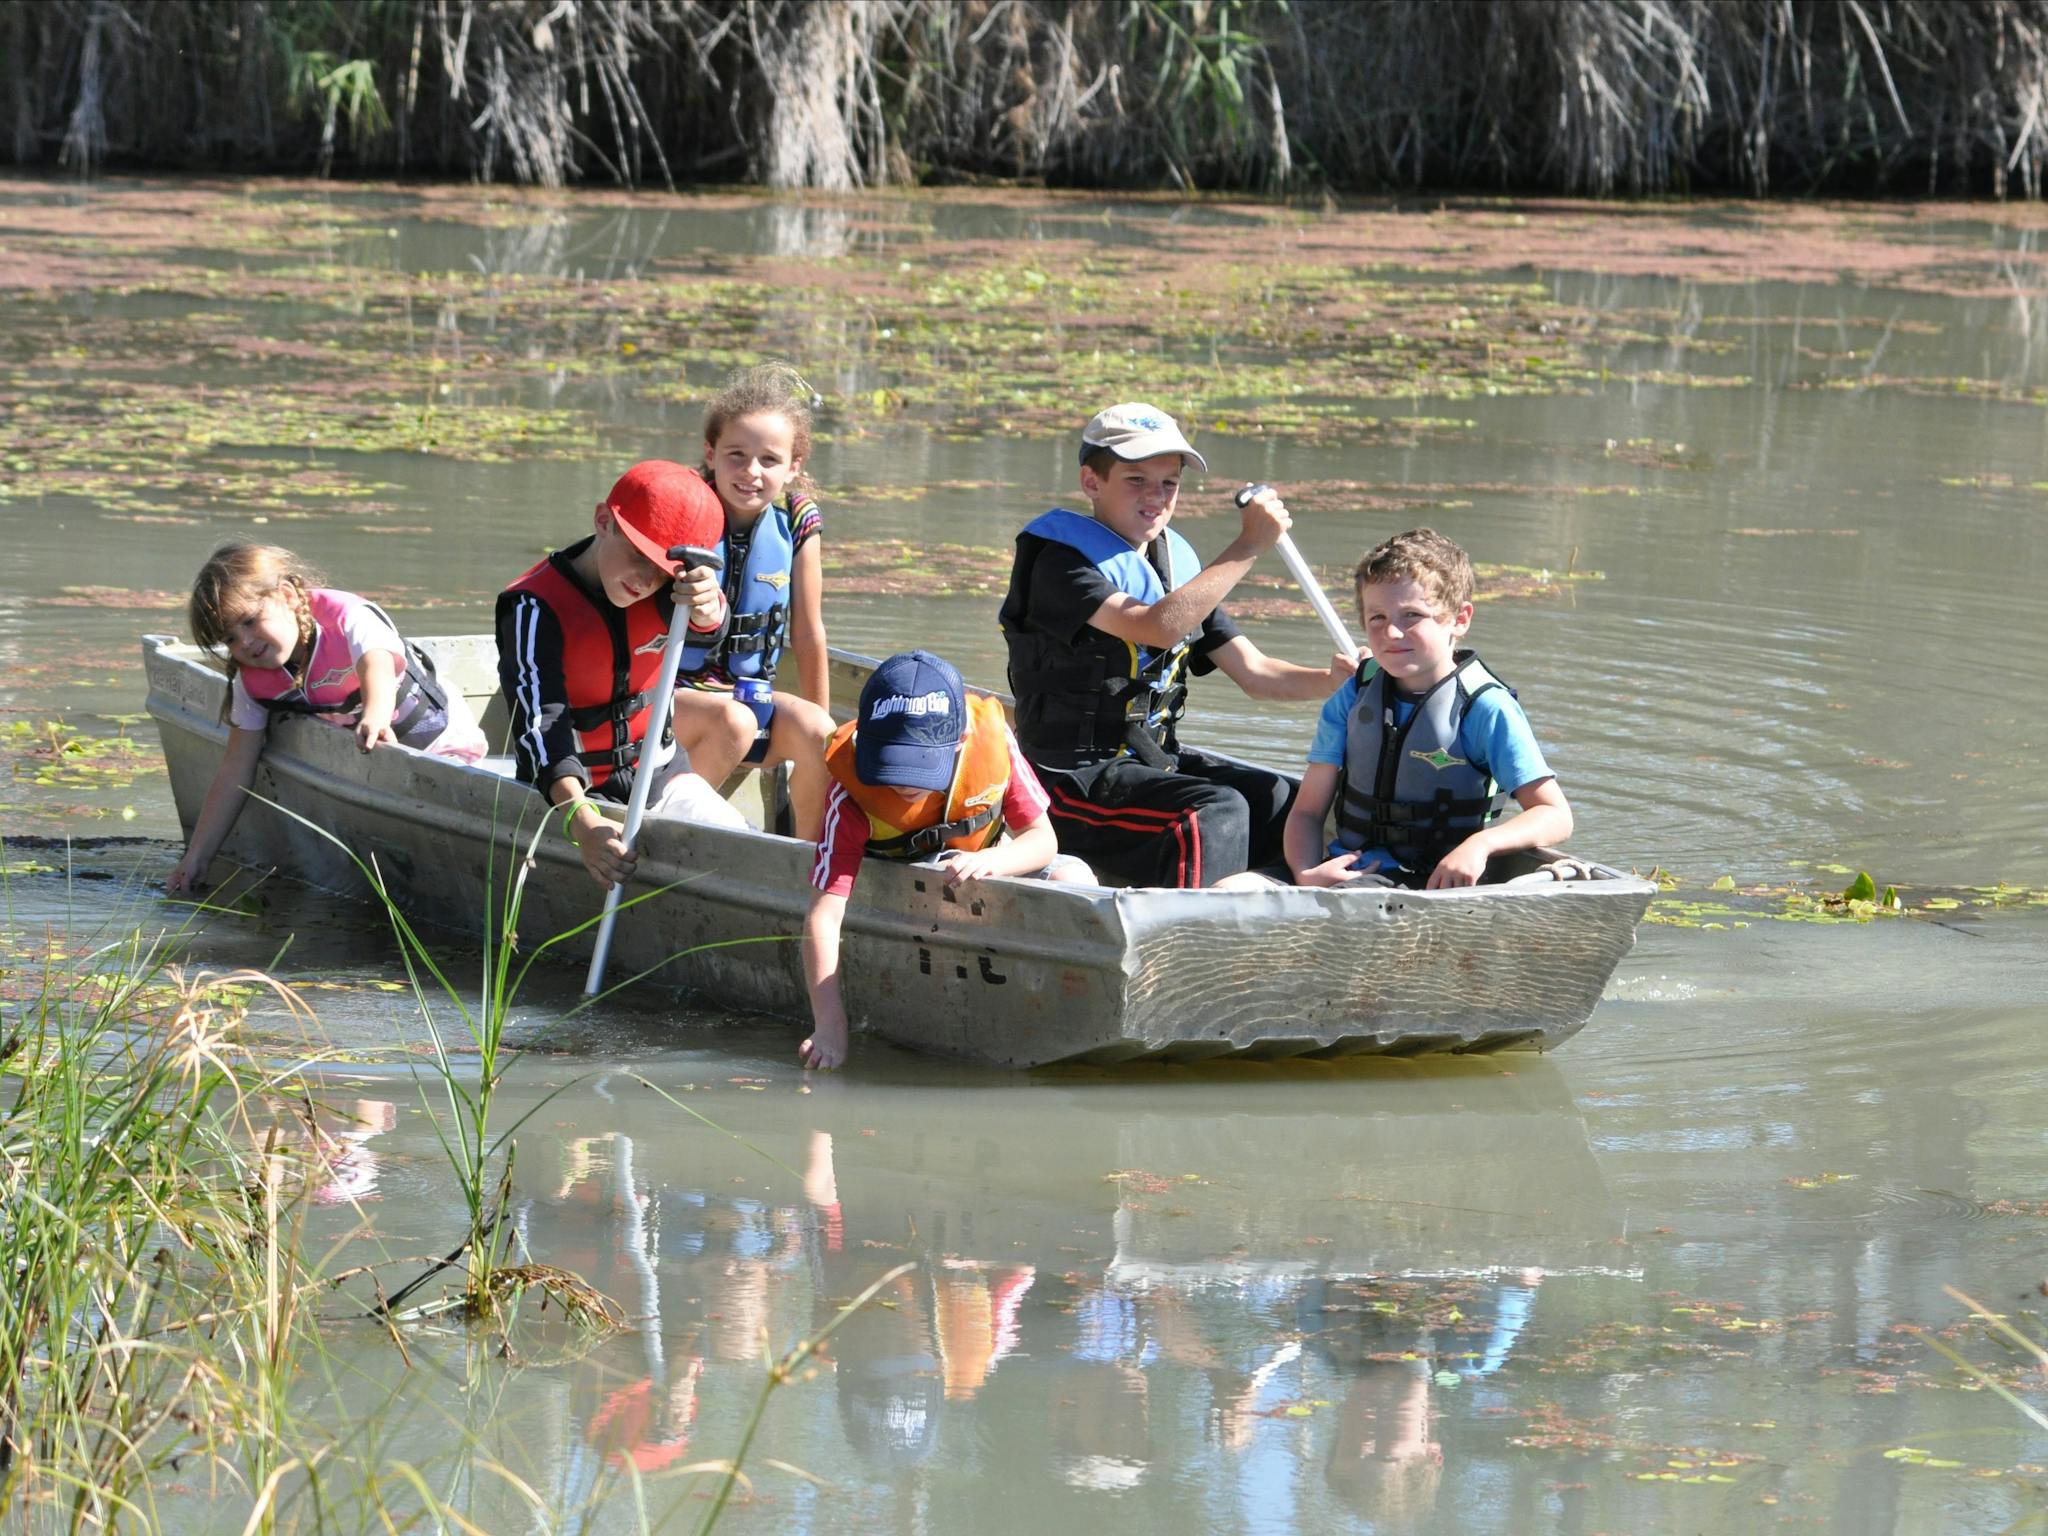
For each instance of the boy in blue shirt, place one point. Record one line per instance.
(1422, 750)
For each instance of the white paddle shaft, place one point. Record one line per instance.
(644, 769)
(1310, 587)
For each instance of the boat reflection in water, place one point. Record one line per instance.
(1118, 1289)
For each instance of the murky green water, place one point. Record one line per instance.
(1669, 1278)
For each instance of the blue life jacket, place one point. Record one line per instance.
(757, 588)
(1098, 696)
(1405, 787)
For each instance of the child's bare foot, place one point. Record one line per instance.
(825, 1050)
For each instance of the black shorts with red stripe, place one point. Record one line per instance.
(1206, 819)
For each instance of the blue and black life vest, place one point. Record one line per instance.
(1097, 696)
(1406, 788)
(757, 589)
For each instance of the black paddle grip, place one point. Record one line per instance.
(1244, 496)
(692, 557)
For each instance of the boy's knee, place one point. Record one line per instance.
(703, 718)
(1225, 807)
(1226, 824)
(1065, 869)
(805, 718)
(739, 721)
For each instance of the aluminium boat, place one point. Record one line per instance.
(1015, 973)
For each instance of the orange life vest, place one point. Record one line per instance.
(917, 823)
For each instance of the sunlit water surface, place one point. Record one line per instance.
(1669, 1278)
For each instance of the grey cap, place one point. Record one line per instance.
(1135, 430)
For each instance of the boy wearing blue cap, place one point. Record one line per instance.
(924, 770)
(1108, 614)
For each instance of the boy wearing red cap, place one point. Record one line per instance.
(924, 770)
(580, 638)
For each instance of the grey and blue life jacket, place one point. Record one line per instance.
(1098, 696)
(1405, 788)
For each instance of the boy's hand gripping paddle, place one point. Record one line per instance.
(1310, 587)
(657, 725)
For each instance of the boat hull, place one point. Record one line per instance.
(1010, 972)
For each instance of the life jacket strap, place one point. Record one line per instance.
(752, 633)
(1399, 821)
(1148, 748)
(926, 841)
(617, 712)
(296, 703)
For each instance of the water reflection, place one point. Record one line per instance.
(803, 229)
(347, 1161)
(1271, 1305)
(632, 1403)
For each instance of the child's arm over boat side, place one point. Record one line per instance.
(826, 1046)
(217, 815)
(377, 675)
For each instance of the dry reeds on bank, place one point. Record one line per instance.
(1590, 96)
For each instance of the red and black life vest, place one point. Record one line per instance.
(611, 661)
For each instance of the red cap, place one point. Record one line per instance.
(659, 504)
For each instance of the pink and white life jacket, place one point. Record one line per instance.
(332, 689)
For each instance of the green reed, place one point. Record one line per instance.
(160, 1328)
(466, 1133)
(148, 1315)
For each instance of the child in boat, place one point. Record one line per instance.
(580, 638)
(1108, 614)
(1423, 748)
(924, 769)
(757, 434)
(295, 647)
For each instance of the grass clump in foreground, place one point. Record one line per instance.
(152, 1280)
(162, 1337)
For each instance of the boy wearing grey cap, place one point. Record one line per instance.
(1107, 614)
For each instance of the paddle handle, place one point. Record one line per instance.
(657, 725)
(1306, 578)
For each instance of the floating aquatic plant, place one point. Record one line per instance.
(1722, 903)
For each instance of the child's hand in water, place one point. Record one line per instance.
(185, 877)
(374, 733)
(824, 1050)
(698, 590)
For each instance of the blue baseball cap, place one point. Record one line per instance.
(913, 712)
